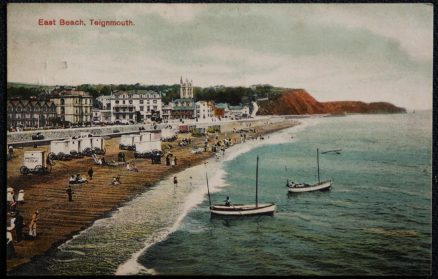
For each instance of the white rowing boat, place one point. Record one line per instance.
(302, 187)
(242, 209)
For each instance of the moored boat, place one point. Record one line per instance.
(242, 209)
(304, 187)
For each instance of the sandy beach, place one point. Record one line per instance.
(60, 219)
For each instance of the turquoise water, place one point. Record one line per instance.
(376, 219)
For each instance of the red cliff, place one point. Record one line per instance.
(299, 101)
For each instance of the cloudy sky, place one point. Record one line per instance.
(365, 52)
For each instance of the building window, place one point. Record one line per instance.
(130, 102)
(123, 101)
(117, 101)
(148, 108)
(141, 101)
(141, 108)
(154, 101)
(155, 107)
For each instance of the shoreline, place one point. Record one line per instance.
(136, 183)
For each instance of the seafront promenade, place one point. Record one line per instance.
(60, 219)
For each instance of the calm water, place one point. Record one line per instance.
(376, 220)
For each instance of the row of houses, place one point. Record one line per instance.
(133, 106)
(67, 105)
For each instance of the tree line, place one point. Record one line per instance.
(219, 94)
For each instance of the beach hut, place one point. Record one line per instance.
(35, 162)
(136, 138)
(73, 145)
(145, 149)
(97, 143)
(84, 143)
(168, 135)
(183, 128)
(126, 141)
(150, 136)
(59, 146)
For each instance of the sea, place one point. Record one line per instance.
(375, 220)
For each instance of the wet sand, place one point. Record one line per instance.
(59, 219)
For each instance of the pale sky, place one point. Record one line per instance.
(363, 52)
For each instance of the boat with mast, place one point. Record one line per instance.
(304, 187)
(242, 209)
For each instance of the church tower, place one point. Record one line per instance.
(186, 89)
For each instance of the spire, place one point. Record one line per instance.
(181, 80)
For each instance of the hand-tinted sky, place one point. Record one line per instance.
(367, 52)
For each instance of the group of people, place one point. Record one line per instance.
(77, 179)
(17, 224)
(115, 180)
(185, 142)
(171, 160)
(99, 161)
(131, 167)
(13, 200)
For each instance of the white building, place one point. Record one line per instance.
(167, 111)
(203, 110)
(238, 112)
(184, 107)
(133, 105)
(186, 89)
(101, 115)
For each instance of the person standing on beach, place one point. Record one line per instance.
(175, 181)
(20, 198)
(18, 226)
(10, 249)
(33, 224)
(69, 192)
(11, 151)
(90, 173)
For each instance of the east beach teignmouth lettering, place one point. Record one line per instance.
(81, 22)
